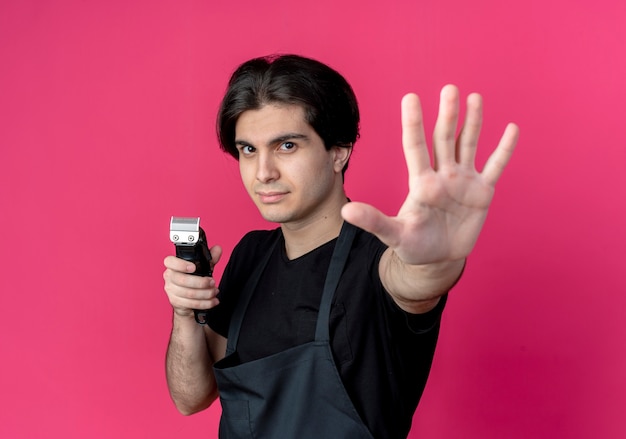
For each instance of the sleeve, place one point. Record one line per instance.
(421, 323)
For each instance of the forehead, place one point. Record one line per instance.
(271, 121)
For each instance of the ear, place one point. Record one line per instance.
(341, 155)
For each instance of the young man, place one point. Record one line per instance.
(326, 326)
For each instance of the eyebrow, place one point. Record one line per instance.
(278, 139)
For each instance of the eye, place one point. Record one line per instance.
(287, 146)
(246, 149)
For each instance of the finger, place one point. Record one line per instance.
(413, 137)
(182, 293)
(500, 157)
(216, 254)
(468, 139)
(185, 280)
(372, 220)
(178, 264)
(444, 144)
(185, 300)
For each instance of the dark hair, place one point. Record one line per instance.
(329, 103)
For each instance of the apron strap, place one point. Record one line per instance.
(335, 270)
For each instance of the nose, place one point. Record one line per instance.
(266, 167)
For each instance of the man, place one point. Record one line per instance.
(326, 326)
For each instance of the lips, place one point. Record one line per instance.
(271, 197)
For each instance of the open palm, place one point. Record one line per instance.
(447, 204)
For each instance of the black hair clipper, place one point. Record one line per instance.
(191, 245)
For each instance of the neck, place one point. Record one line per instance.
(306, 236)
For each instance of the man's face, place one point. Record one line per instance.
(284, 166)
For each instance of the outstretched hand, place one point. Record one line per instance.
(447, 204)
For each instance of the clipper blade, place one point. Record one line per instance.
(185, 230)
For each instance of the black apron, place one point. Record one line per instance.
(296, 393)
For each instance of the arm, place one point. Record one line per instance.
(439, 222)
(193, 348)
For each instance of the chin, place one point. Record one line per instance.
(274, 216)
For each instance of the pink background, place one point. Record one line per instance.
(107, 129)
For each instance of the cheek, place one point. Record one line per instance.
(246, 172)
(305, 173)
(316, 180)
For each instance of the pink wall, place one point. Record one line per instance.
(106, 129)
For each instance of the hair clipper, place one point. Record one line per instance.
(191, 245)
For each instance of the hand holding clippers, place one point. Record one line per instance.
(191, 245)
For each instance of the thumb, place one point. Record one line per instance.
(369, 218)
(216, 254)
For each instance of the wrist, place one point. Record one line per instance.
(424, 282)
(184, 320)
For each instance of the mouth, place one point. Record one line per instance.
(270, 197)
